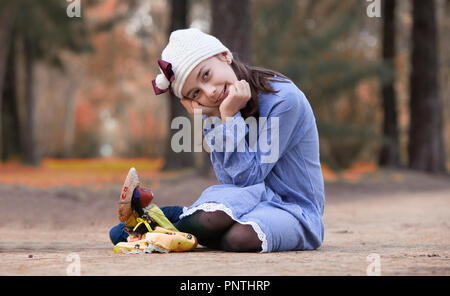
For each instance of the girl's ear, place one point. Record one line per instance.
(226, 57)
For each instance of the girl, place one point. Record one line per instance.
(262, 203)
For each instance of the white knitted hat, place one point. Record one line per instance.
(186, 49)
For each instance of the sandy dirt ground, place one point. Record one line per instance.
(401, 216)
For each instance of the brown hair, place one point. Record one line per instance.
(259, 79)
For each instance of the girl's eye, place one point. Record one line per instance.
(195, 95)
(206, 75)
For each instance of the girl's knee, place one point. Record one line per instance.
(217, 220)
(241, 238)
(208, 227)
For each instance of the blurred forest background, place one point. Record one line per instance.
(80, 87)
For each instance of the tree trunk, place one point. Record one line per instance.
(389, 155)
(183, 159)
(69, 119)
(6, 24)
(231, 25)
(9, 135)
(426, 147)
(30, 155)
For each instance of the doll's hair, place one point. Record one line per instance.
(259, 80)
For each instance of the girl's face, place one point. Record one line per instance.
(208, 82)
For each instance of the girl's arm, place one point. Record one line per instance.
(243, 165)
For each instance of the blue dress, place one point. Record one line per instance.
(274, 182)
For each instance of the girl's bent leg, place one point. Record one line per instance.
(208, 227)
(240, 238)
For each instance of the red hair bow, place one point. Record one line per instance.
(164, 82)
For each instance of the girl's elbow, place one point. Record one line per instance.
(245, 179)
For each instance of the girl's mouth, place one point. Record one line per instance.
(224, 94)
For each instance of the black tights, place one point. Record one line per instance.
(217, 230)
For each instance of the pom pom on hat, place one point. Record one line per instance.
(162, 82)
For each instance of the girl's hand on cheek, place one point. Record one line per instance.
(238, 96)
(208, 111)
(190, 105)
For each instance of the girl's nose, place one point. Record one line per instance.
(210, 91)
